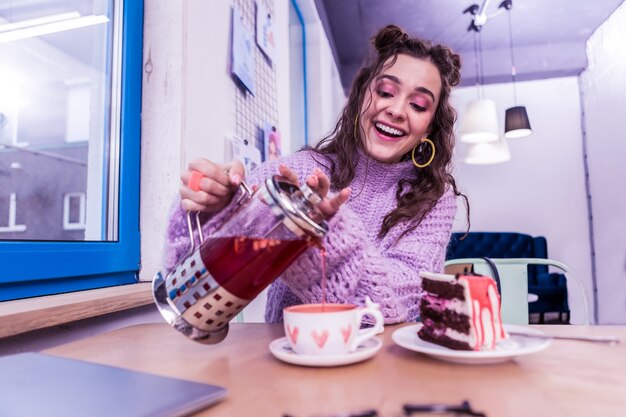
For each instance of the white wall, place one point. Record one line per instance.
(282, 68)
(208, 100)
(604, 87)
(161, 125)
(325, 93)
(541, 190)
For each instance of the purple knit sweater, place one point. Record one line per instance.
(358, 263)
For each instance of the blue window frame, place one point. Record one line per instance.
(34, 267)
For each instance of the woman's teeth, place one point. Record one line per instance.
(388, 130)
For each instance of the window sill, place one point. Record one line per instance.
(21, 316)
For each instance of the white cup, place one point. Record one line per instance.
(329, 329)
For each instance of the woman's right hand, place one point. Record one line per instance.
(319, 182)
(208, 187)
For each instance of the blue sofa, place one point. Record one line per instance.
(550, 287)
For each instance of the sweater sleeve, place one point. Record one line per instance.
(356, 268)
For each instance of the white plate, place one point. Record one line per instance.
(506, 350)
(280, 349)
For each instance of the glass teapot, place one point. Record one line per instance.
(214, 281)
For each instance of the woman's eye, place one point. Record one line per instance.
(417, 107)
(383, 93)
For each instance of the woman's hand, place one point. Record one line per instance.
(319, 182)
(209, 187)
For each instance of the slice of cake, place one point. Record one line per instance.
(461, 312)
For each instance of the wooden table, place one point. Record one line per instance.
(570, 378)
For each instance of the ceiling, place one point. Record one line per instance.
(77, 44)
(549, 36)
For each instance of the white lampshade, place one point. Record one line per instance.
(480, 122)
(488, 153)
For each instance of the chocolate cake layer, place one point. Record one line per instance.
(446, 318)
(424, 334)
(443, 289)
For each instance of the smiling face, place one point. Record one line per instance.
(398, 107)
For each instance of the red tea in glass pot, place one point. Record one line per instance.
(268, 230)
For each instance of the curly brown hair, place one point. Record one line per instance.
(417, 195)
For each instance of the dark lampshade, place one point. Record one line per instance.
(516, 124)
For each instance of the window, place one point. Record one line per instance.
(12, 226)
(74, 211)
(70, 77)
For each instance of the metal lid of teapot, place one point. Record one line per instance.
(298, 205)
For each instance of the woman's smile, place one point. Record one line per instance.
(388, 131)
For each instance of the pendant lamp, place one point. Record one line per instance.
(516, 123)
(480, 121)
(488, 153)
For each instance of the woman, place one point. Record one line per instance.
(384, 175)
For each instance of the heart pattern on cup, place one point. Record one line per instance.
(320, 338)
(345, 332)
(293, 334)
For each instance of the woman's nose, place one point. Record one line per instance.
(395, 110)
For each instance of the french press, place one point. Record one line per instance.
(216, 279)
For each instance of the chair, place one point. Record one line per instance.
(550, 288)
(513, 274)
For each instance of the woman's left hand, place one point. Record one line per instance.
(319, 182)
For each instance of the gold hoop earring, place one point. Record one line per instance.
(356, 122)
(432, 156)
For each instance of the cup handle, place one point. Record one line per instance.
(370, 309)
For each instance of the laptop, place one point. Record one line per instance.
(35, 384)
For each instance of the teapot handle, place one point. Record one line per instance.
(246, 192)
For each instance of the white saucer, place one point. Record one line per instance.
(280, 349)
(506, 350)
